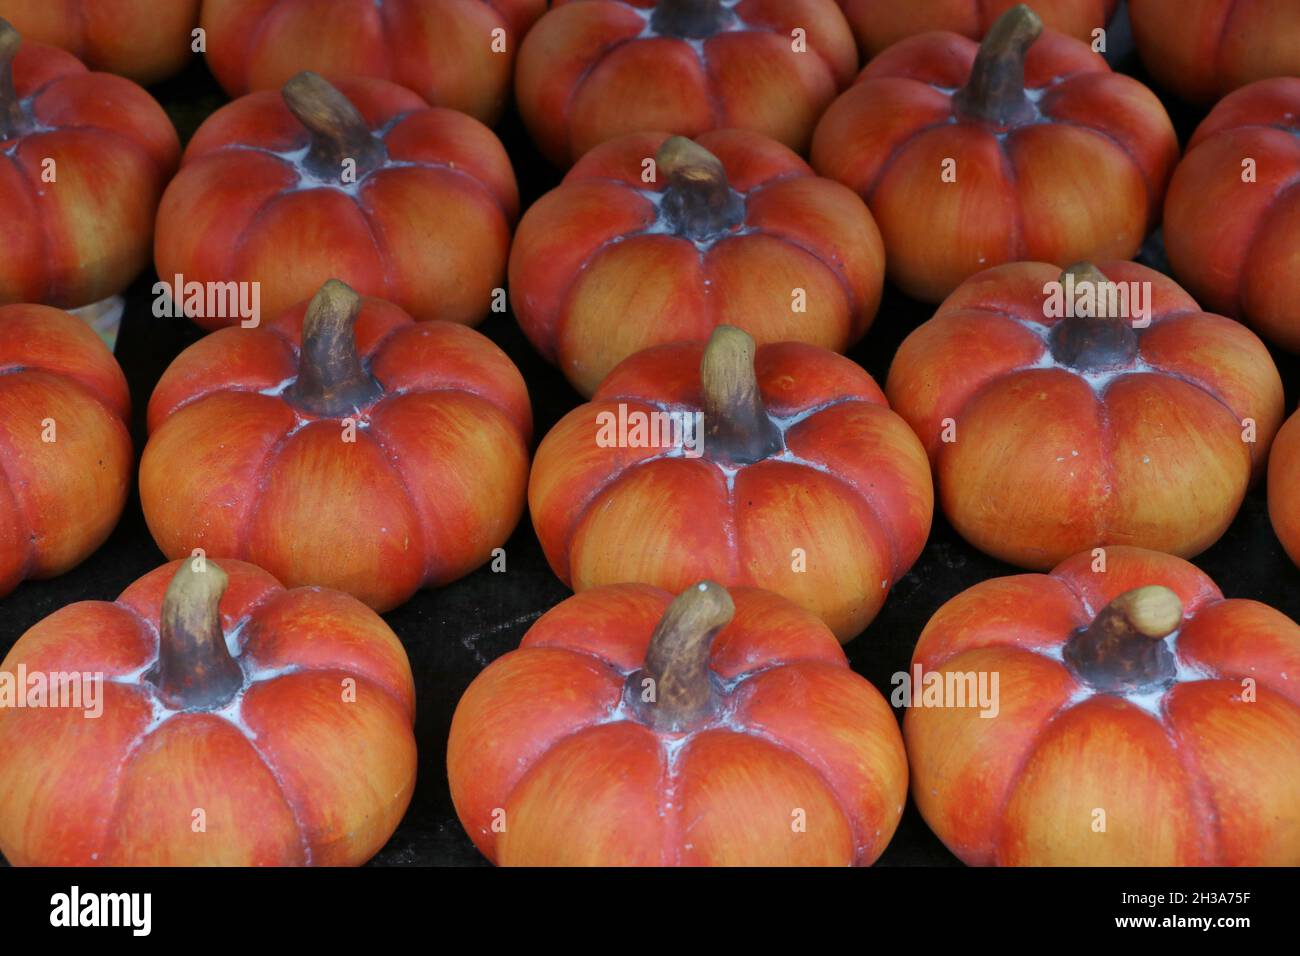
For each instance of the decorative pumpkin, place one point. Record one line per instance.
(87, 156)
(1206, 48)
(65, 455)
(362, 182)
(781, 468)
(734, 228)
(143, 40)
(453, 53)
(882, 23)
(1141, 720)
(638, 730)
(343, 445)
(1283, 480)
(1052, 434)
(1026, 146)
(594, 70)
(239, 724)
(1232, 217)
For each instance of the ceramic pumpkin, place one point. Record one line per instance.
(361, 182)
(881, 23)
(1025, 146)
(786, 471)
(239, 724)
(734, 227)
(1050, 434)
(342, 445)
(1141, 720)
(65, 455)
(454, 53)
(1283, 482)
(714, 729)
(86, 159)
(144, 40)
(593, 70)
(1232, 217)
(1202, 49)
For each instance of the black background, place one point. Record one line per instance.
(450, 634)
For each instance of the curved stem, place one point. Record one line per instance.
(1123, 649)
(195, 669)
(1091, 343)
(331, 379)
(677, 660)
(995, 92)
(689, 19)
(736, 423)
(698, 201)
(338, 130)
(13, 121)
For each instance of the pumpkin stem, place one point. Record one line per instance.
(677, 660)
(698, 202)
(995, 92)
(1091, 343)
(736, 423)
(689, 19)
(195, 668)
(1123, 649)
(331, 379)
(13, 121)
(338, 130)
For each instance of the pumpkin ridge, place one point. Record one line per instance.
(1256, 236)
(375, 434)
(1198, 792)
(1153, 210)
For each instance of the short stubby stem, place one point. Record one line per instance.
(1092, 343)
(737, 427)
(674, 691)
(14, 121)
(995, 92)
(689, 19)
(339, 133)
(1123, 650)
(331, 377)
(195, 669)
(698, 202)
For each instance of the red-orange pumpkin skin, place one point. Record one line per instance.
(1283, 484)
(429, 229)
(434, 479)
(1081, 175)
(1043, 459)
(881, 23)
(143, 40)
(296, 770)
(541, 742)
(1202, 49)
(84, 234)
(445, 50)
(1236, 243)
(1205, 771)
(830, 521)
(65, 455)
(593, 70)
(597, 276)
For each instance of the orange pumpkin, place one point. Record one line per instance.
(1050, 434)
(343, 445)
(715, 729)
(734, 228)
(454, 53)
(1283, 485)
(594, 70)
(1025, 146)
(1232, 217)
(781, 468)
(1141, 720)
(65, 455)
(239, 724)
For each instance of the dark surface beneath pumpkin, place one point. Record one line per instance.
(452, 633)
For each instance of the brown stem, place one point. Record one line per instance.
(331, 379)
(693, 19)
(737, 426)
(698, 201)
(995, 92)
(13, 121)
(677, 660)
(338, 130)
(1091, 343)
(195, 669)
(1123, 649)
